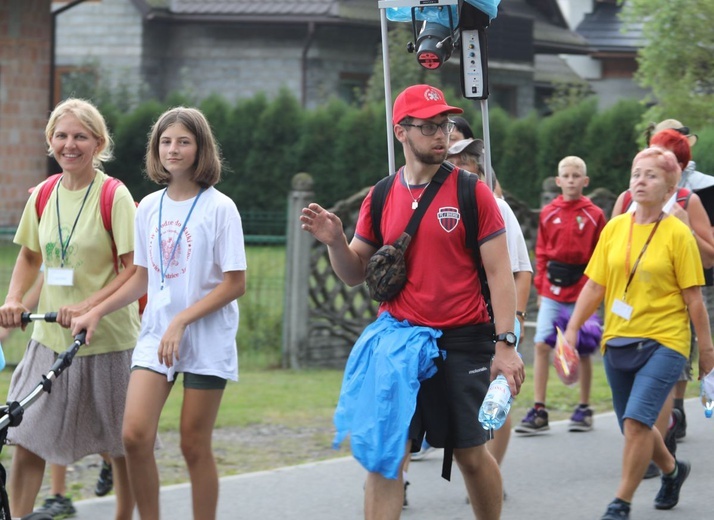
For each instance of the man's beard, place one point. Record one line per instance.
(427, 157)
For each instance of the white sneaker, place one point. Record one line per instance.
(423, 452)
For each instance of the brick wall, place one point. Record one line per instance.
(24, 101)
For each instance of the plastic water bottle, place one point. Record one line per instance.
(707, 401)
(496, 404)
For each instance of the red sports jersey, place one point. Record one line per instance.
(442, 288)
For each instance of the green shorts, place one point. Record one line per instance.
(194, 381)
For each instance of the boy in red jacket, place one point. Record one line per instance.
(568, 230)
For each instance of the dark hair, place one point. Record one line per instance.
(207, 169)
(462, 126)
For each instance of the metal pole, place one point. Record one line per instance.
(387, 90)
(486, 144)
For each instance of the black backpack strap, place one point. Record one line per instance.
(469, 212)
(379, 195)
(466, 191)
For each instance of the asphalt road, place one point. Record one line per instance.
(556, 475)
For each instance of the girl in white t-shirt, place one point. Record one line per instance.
(190, 258)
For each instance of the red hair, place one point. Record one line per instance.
(676, 143)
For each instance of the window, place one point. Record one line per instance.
(74, 82)
(352, 86)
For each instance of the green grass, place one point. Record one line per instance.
(261, 308)
(298, 398)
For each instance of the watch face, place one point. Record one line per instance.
(509, 337)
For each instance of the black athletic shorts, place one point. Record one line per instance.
(448, 402)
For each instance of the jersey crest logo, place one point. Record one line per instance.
(448, 218)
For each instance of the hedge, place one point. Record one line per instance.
(265, 142)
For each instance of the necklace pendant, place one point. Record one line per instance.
(415, 204)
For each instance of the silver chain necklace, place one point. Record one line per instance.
(415, 201)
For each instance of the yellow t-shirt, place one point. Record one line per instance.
(89, 254)
(670, 263)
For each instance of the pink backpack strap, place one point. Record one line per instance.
(106, 201)
(626, 201)
(43, 195)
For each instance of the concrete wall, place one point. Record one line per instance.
(107, 33)
(153, 58)
(24, 101)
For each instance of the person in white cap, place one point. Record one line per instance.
(691, 178)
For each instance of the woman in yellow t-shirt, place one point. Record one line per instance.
(647, 270)
(84, 412)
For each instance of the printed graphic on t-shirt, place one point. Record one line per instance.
(174, 265)
(448, 218)
(53, 251)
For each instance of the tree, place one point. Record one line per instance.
(677, 62)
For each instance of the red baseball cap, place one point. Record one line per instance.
(421, 102)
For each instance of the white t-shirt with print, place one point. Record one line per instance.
(210, 245)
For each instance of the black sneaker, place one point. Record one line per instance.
(670, 438)
(652, 471)
(58, 507)
(681, 432)
(105, 482)
(535, 421)
(405, 504)
(617, 510)
(668, 495)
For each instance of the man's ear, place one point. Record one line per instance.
(400, 133)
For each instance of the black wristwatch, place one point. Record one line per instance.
(508, 337)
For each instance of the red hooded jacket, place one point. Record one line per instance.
(567, 232)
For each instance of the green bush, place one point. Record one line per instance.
(611, 140)
(517, 171)
(701, 152)
(130, 138)
(344, 147)
(561, 135)
(271, 159)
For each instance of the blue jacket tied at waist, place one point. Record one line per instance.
(379, 391)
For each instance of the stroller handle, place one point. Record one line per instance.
(50, 317)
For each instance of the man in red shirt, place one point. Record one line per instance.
(442, 291)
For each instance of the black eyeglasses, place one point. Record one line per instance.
(684, 130)
(429, 129)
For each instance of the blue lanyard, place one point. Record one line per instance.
(65, 245)
(173, 251)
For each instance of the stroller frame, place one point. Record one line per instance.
(12, 413)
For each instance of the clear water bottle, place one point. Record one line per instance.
(707, 401)
(496, 404)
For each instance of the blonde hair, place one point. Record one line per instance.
(573, 160)
(208, 165)
(665, 160)
(90, 117)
